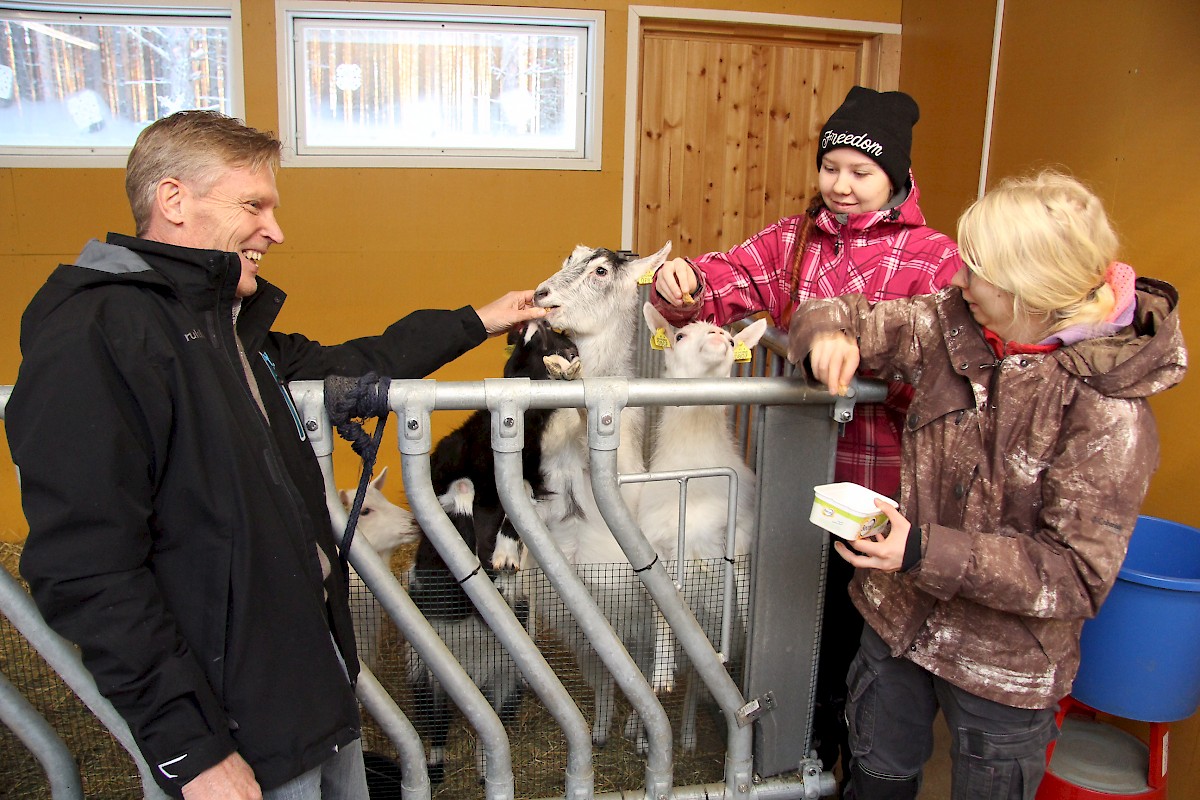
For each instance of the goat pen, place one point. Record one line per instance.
(789, 430)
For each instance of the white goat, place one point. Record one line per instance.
(594, 299)
(695, 437)
(385, 526)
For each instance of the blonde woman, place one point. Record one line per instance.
(1028, 451)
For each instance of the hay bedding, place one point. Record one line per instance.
(539, 750)
(107, 770)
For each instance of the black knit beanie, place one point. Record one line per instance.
(877, 124)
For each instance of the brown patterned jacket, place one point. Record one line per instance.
(1023, 476)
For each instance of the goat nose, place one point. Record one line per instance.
(541, 294)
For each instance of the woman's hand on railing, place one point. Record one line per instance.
(833, 360)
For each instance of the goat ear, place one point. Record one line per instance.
(750, 334)
(378, 480)
(346, 499)
(654, 320)
(651, 263)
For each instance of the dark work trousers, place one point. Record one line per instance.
(997, 752)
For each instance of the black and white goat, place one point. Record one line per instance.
(463, 474)
(697, 437)
(594, 298)
(537, 352)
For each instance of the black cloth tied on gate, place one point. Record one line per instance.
(350, 402)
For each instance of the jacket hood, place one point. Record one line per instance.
(906, 213)
(1144, 358)
(98, 264)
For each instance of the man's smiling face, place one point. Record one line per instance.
(236, 215)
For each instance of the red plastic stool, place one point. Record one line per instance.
(1095, 761)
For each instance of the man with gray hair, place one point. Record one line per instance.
(177, 523)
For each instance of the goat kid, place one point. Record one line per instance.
(539, 352)
(696, 437)
(385, 527)
(594, 299)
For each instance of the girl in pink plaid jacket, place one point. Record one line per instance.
(863, 232)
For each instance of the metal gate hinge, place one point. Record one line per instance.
(755, 709)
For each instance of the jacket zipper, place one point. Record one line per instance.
(287, 397)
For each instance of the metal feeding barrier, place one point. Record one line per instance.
(761, 682)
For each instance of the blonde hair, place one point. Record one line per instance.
(195, 147)
(1046, 240)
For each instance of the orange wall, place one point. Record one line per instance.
(1110, 96)
(1104, 90)
(946, 50)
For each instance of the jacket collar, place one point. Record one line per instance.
(969, 350)
(1143, 359)
(206, 280)
(907, 213)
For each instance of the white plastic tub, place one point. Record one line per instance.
(848, 510)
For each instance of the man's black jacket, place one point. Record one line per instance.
(174, 529)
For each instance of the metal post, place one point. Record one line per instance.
(61, 655)
(32, 729)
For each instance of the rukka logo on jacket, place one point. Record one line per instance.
(194, 335)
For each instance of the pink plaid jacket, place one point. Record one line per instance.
(882, 255)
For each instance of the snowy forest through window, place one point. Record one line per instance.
(439, 87)
(95, 83)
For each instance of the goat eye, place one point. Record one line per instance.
(601, 270)
(364, 512)
(679, 337)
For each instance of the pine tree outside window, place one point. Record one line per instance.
(432, 85)
(79, 81)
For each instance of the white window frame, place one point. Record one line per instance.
(229, 11)
(289, 13)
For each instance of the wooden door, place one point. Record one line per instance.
(728, 120)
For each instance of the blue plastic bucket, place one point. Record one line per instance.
(1141, 653)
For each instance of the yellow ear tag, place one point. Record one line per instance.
(659, 340)
(646, 279)
(508, 350)
(741, 353)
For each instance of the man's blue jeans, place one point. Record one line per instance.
(342, 777)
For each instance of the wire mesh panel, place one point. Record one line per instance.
(539, 749)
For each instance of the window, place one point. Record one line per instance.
(431, 85)
(81, 80)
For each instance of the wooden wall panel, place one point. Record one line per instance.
(729, 117)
